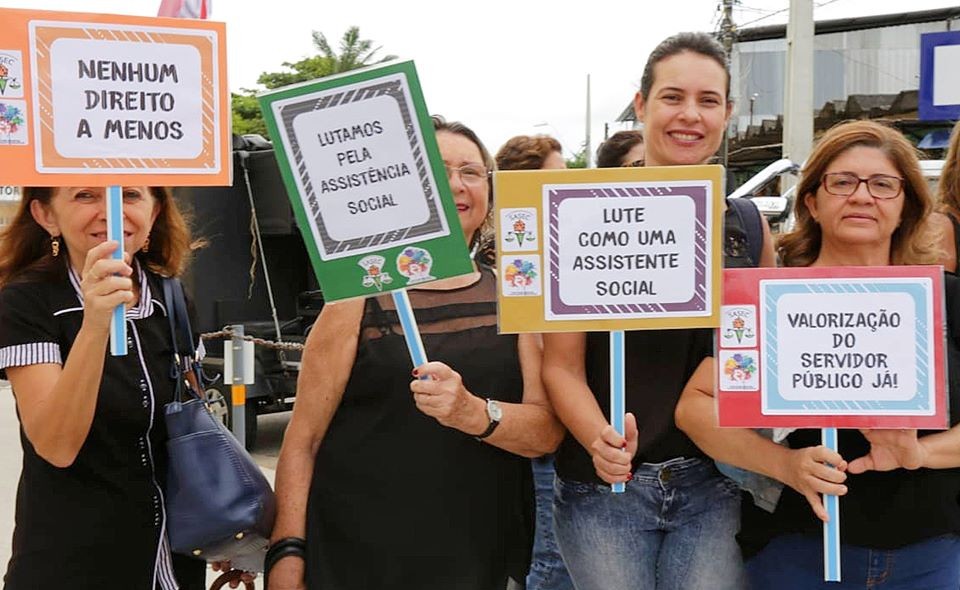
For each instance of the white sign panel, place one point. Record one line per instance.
(857, 351)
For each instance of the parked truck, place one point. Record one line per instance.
(252, 270)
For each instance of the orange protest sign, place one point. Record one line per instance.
(91, 99)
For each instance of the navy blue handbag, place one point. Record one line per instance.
(219, 504)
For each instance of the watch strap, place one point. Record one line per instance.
(490, 427)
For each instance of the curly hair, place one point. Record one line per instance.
(611, 152)
(25, 245)
(949, 187)
(526, 152)
(912, 242)
(483, 238)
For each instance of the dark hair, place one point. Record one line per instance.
(611, 152)
(25, 246)
(911, 243)
(702, 43)
(483, 237)
(526, 152)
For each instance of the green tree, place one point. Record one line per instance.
(246, 114)
(353, 53)
(579, 159)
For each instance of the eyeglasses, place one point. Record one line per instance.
(470, 174)
(880, 186)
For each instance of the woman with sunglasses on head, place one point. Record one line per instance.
(623, 148)
(863, 202)
(673, 528)
(388, 483)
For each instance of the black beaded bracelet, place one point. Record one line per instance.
(284, 547)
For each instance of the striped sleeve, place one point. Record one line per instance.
(28, 329)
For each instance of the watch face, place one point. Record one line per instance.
(494, 410)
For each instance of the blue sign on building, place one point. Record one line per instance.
(939, 82)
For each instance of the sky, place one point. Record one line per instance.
(501, 67)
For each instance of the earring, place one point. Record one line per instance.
(55, 246)
(146, 245)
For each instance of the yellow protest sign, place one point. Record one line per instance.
(609, 249)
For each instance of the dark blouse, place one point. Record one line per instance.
(881, 510)
(399, 501)
(658, 365)
(98, 523)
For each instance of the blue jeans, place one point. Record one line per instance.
(547, 571)
(795, 562)
(673, 529)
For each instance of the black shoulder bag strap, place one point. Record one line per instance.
(179, 322)
(749, 216)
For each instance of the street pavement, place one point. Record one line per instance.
(271, 428)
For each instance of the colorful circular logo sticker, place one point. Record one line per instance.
(414, 263)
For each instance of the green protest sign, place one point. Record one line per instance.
(361, 165)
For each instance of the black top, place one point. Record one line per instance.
(881, 510)
(99, 522)
(398, 500)
(658, 365)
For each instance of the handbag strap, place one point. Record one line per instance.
(179, 321)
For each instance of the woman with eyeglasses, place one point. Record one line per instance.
(673, 528)
(388, 480)
(863, 202)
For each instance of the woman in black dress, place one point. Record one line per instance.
(90, 509)
(429, 490)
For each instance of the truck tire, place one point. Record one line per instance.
(220, 407)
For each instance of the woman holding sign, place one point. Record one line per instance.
(674, 526)
(90, 510)
(385, 483)
(864, 202)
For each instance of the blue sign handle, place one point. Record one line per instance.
(617, 394)
(831, 529)
(409, 324)
(118, 323)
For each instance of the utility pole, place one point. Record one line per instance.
(727, 34)
(798, 91)
(586, 146)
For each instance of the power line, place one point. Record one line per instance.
(781, 11)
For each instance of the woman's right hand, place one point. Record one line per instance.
(613, 453)
(105, 284)
(287, 574)
(813, 471)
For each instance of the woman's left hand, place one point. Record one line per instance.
(438, 391)
(890, 449)
(224, 566)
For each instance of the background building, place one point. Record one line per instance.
(864, 68)
(9, 201)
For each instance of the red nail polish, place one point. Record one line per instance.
(416, 373)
